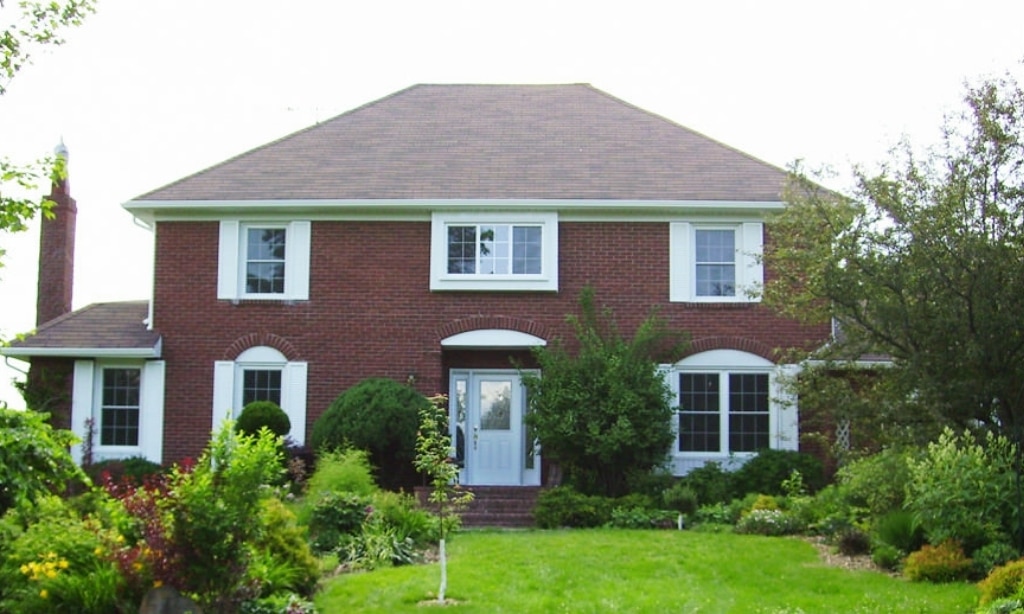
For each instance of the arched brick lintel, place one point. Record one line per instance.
(743, 344)
(480, 322)
(252, 340)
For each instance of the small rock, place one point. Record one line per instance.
(166, 600)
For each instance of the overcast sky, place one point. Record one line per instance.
(149, 91)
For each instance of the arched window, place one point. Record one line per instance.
(729, 403)
(261, 373)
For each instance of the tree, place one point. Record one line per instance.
(923, 263)
(434, 458)
(604, 413)
(36, 25)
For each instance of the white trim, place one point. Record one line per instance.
(783, 413)
(87, 402)
(151, 418)
(545, 281)
(231, 259)
(293, 399)
(492, 338)
(749, 271)
(386, 209)
(223, 392)
(131, 353)
(227, 387)
(83, 381)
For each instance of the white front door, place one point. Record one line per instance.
(487, 409)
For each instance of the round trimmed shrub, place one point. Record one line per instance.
(259, 414)
(380, 416)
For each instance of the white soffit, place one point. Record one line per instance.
(492, 338)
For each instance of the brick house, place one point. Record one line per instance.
(429, 237)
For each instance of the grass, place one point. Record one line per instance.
(610, 570)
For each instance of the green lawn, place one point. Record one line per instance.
(611, 570)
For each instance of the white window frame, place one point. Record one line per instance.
(783, 416)
(228, 381)
(87, 403)
(545, 281)
(233, 255)
(683, 261)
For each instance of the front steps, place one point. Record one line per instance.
(496, 506)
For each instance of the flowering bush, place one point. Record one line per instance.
(768, 522)
(54, 566)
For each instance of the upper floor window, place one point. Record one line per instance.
(715, 262)
(494, 249)
(494, 252)
(263, 260)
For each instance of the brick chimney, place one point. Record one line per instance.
(57, 251)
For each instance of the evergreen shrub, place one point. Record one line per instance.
(381, 416)
(259, 414)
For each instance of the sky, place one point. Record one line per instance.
(148, 91)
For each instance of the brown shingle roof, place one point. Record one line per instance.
(110, 329)
(488, 142)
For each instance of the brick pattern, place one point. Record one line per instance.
(57, 257)
(371, 313)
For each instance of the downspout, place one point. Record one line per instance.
(152, 292)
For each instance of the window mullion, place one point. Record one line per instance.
(724, 407)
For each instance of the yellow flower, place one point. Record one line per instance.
(25, 569)
(44, 594)
(120, 539)
(137, 566)
(158, 583)
(51, 574)
(98, 551)
(63, 564)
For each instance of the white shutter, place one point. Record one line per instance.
(223, 392)
(787, 414)
(750, 257)
(293, 402)
(151, 410)
(82, 399)
(228, 275)
(296, 265)
(680, 267)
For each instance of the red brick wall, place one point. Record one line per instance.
(370, 311)
(56, 257)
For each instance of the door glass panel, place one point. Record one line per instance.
(495, 405)
(459, 436)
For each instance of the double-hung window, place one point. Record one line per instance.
(263, 260)
(494, 252)
(119, 407)
(715, 262)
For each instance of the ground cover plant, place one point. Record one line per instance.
(605, 570)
